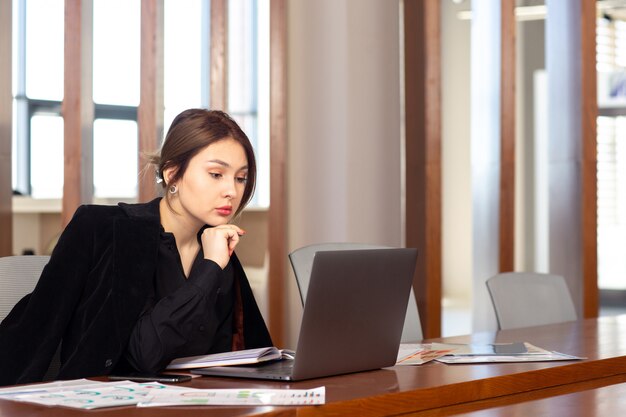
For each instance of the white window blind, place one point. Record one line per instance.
(611, 137)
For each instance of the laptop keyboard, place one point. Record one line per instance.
(282, 367)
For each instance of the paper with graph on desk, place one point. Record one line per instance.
(459, 353)
(499, 352)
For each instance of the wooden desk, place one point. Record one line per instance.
(434, 387)
(598, 402)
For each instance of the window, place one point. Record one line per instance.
(118, 178)
(611, 66)
(38, 87)
(46, 157)
(38, 90)
(38, 155)
(116, 51)
(186, 56)
(248, 82)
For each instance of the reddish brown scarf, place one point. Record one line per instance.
(238, 340)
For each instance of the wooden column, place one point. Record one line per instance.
(6, 120)
(589, 158)
(150, 111)
(422, 78)
(77, 108)
(278, 167)
(572, 112)
(219, 55)
(507, 137)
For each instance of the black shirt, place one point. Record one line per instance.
(184, 316)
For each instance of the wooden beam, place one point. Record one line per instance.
(219, 55)
(150, 111)
(77, 108)
(572, 106)
(278, 167)
(422, 79)
(589, 158)
(6, 121)
(507, 137)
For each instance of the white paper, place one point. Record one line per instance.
(463, 349)
(242, 396)
(533, 354)
(87, 395)
(46, 387)
(418, 354)
(530, 357)
(98, 395)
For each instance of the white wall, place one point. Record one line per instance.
(531, 58)
(456, 175)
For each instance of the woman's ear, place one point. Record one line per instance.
(168, 174)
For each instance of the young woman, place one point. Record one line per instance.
(133, 286)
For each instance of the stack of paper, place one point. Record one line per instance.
(418, 354)
(499, 352)
(87, 395)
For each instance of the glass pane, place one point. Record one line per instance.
(184, 54)
(242, 56)
(116, 52)
(248, 82)
(14, 148)
(115, 158)
(262, 144)
(611, 202)
(44, 49)
(249, 125)
(611, 155)
(46, 156)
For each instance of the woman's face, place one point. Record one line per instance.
(210, 191)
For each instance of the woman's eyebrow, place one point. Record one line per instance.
(219, 162)
(225, 164)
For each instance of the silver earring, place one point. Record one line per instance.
(173, 189)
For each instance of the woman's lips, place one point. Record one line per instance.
(224, 211)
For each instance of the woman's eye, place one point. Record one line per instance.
(215, 175)
(242, 180)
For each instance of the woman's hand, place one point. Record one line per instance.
(218, 243)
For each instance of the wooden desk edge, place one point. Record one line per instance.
(482, 393)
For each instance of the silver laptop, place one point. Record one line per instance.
(352, 320)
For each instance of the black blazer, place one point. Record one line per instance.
(91, 294)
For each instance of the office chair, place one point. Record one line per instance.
(302, 262)
(524, 299)
(18, 277)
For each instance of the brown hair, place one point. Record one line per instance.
(190, 132)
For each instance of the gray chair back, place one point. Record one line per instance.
(18, 277)
(524, 299)
(302, 263)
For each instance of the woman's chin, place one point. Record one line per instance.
(218, 220)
